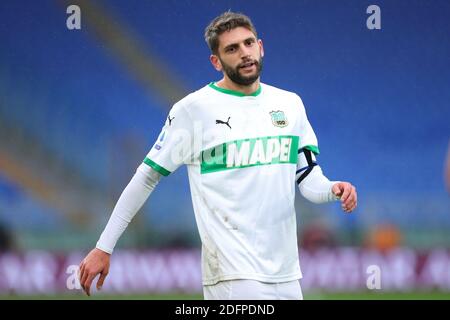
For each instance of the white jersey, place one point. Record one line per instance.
(241, 154)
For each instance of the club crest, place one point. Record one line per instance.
(279, 119)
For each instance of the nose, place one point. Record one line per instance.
(245, 51)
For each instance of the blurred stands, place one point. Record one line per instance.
(77, 117)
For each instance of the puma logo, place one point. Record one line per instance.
(170, 120)
(223, 122)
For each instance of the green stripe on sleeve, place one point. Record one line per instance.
(157, 167)
(314, 149)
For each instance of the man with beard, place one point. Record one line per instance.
(246, 144)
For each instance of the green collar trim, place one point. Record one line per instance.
(234, 92)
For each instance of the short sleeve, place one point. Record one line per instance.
(173, 146)
(307, 137)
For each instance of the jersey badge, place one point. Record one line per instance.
(279, 118)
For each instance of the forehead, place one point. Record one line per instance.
(235, 35)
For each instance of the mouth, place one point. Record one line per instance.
(247, 65)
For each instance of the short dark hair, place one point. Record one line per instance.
(226, 22)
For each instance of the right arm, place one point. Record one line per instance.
(162, 159)
(130, 201)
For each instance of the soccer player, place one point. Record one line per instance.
(246, 145)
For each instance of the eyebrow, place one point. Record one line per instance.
(234, 45)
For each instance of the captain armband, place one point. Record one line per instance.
(305, 164)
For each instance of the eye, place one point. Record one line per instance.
(231, 49)
(249, 42)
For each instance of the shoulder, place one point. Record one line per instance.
(183, 108)
(279, 92)
(284, 94)
(193, 98)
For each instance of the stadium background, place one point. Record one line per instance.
(79, 110)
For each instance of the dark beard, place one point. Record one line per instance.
(236, 77)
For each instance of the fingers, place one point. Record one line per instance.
(86, 276)
(337, 190)
(101, 279)
(347, 195)
(96, 262)
(83, 279)
(350, 202)
(81, 273)
(347, 191)
(80, 269)
(88, 283)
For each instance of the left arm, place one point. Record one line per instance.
(316, 187)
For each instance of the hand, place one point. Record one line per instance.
(96, 262)
(347, 194)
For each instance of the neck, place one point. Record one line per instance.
(226, 83)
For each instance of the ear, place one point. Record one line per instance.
(261, 47)
(215, 62)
